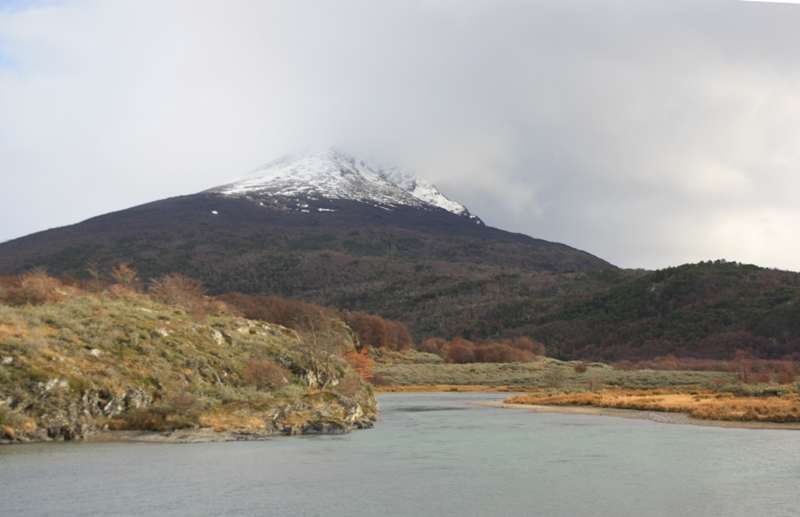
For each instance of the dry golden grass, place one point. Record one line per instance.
(701, 404)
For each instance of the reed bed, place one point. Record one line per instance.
(700, 404)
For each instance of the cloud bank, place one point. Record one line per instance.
(648, 133)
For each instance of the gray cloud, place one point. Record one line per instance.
(647, 133)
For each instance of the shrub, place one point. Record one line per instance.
(182, 403)
(554, 378)
(501, 353)
(180, 290)
(593, 383)
(460, 351)
(265, 374)
(33, 288)
(361, 363)
(349, 387)
(434, 345)
(380, 380)
(527, 344)
(265, 308)
(126, 276)
(399, 338)
(372, 331)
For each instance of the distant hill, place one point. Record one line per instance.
(707, 310)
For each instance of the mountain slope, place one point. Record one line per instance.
(395, 247)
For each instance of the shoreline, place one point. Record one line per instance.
(655, 416)
(449, 388)
(202, 435)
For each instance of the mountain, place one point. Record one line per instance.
(332, 174)
(327, 228)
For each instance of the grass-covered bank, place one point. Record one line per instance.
(76, 363)
(703, 395)
(544, 373)
(776, 404)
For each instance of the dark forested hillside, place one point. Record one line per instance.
(435, 271)
(706, 310)
(440, 274)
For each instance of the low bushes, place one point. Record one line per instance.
(461, 351)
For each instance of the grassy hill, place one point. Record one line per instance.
(79, 363)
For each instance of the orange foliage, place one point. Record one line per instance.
(371, 330)
(34, 287)
(124, 275)
(703, 404)
(459, 350)
(435, 345)
(362, 363)
(265, 374)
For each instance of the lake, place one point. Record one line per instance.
(432, 454)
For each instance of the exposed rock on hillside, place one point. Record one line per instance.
(73, 368)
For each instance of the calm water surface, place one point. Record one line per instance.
(431, 455)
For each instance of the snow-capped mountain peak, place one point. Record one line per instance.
(335, 175)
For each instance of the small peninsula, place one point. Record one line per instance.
(76, 363)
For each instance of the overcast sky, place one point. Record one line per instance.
(649, 133)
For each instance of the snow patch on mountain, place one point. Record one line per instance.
(336, 175)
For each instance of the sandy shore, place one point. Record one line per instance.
(656, 416)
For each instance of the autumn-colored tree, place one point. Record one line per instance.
(527, 344)
(362, 363)
(34, 287)
(501, 353)
(265, 308)
(124, 275)
(371, 330)
(787, 373)
(435, 345)
(743, 366)
(460, 351)
(322, 341)
(399, 338)
(95, 283)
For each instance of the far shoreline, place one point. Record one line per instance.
(448, 388)
(655, 416)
